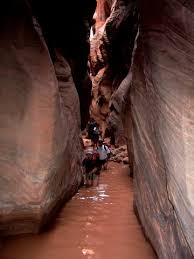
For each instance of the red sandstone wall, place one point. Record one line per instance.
(159, 95)
(40, 151)
(110, 54)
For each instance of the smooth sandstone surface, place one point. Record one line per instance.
(160, 99)
(66, 26)
(39, 130)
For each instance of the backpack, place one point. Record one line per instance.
(106, 148)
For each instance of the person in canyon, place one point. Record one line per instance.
(95, 136)
(91, 167)
(104, 154)
(90, 127)
(93, 131)
(97, 165)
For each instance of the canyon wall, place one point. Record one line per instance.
(40, 151)
(156, 101)
(110, 55)
(66, 26)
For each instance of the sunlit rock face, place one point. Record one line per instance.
(159, 94)
(40, 151)
(102, 12)
(111, 49)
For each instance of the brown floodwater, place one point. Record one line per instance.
(98, 223)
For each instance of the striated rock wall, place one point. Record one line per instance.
(66, 25)
(103, 10)
(158, 93)
(40, 147)
(120, 112)
(111, 49)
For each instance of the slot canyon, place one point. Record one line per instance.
(129, 65)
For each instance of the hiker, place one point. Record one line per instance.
(91, 167)
(104, 154)
(90, 127)
(97, 165)
(95, 136)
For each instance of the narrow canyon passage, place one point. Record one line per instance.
(123, 69)
(98, 223)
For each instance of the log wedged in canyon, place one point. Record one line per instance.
(158, 93)
(40, 151)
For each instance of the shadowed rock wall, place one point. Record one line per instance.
(40, 147)
(66, 26)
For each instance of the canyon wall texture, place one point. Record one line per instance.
(111, 49)
(40, 145)
(66, 26)
(158, 95)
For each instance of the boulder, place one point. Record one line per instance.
(120, 154)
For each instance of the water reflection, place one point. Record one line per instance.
(86, 251)
(98, 223)
(98, 193)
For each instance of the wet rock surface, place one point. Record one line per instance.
(98, 222)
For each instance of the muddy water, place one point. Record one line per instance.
(98, 223)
